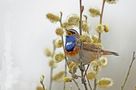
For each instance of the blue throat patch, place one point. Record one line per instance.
(70, 43)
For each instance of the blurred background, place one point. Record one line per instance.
(25, 33)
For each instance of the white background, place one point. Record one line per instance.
(25, 32)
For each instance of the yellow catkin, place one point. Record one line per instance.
(85, 27)
(106, 28)
(73, 20)
(52, 64)
(91, 75)
(59, 57)
(94, 12)
(95, 39)
(85, 38)
(58, 76)
(59, 31)
(67, 25)
(48, 52)
(103, 61)
(67, 79)
(72, 67)
(95, 66)
(39, 88)
(111, 1)
(58, 43)
(100, 28)
(52, 17)
(105, 82)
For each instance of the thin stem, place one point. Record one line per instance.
(101, 21)
(80, 53)
(85, 18)
(95, 85)
(86, 78)
(89, 84)
(81, 12)
(102, 10)
(66, 61)
(60, 21)
(82, 69)
(86, 69)
(51, 74)
(101, 17)
(128, 72)
(42, 85)
(51, 69)
(95, 80)
(76, 84)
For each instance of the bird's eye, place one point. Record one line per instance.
(73, 33)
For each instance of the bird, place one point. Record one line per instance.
(82, 52)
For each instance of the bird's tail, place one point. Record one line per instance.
(110, 53)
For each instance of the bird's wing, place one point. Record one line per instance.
(90, 47)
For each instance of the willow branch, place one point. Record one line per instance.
(89, 84)
(61, 14)
(51, 69)
(42, 85)
(86, 70)
(102, 10)
(76, 84)
(128, 72)
(101, 17)
(101, 20)
(81, 12)
(80, 53)
(86, 78)
(95, 85)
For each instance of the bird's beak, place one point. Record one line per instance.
(68, 32)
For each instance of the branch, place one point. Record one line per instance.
(76, 84)
(101, 17)
(51, 69)
(42, 85)
(42, 82)
(128, 72)
(66, 61)
(81, 12)
(86, 78)
(89, 84)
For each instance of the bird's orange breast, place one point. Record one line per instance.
(74, 52)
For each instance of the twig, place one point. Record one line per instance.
(60, 21)
(95, 85)
(101, 17)
(76, 84)
(42, 82)
(102, 10)
(80, 53)
(95, 80)
(86, 78)
(42, 85)
(82, 76)
(81, 12)
(51, 74)
(128, 72)
(85, 18)
(51, 69)
(66, 61)
(89, 84)
(86, 69)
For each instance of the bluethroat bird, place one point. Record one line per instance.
(82, 52)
